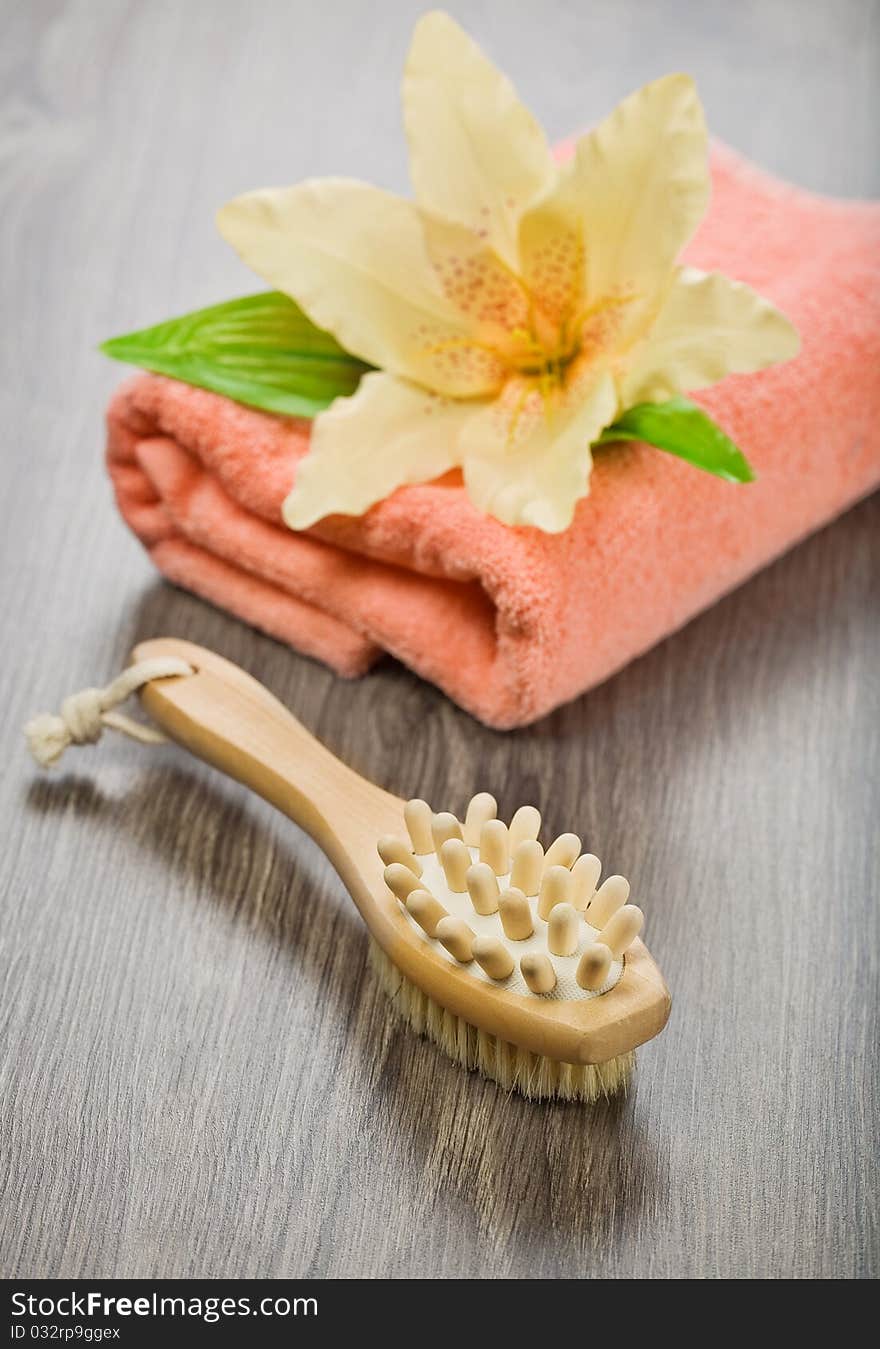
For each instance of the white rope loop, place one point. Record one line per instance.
(84, 715)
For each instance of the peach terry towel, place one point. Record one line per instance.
(513, 622)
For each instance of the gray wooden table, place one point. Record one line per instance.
(198, 1073)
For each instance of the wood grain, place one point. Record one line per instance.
(199, 1075)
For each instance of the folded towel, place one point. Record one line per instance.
(513, 622)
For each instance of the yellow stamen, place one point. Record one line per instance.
(600, 306)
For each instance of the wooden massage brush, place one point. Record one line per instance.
(514, 960)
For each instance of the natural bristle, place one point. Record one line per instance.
(512, 1068)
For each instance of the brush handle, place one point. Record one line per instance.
(223, 716)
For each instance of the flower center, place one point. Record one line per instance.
(544, 351)
(542, 359)
(539, 352)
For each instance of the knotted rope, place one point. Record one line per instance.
(84, 715)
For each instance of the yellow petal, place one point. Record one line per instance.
(476, 281)
(355, 259)
(552, 255)
(363, 447)
(477, 156)
(708, 327)
(643, 183)
(526, 460)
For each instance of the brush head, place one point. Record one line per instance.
(547, 988)
(514, 1069)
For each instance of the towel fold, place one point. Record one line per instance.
(513, 622)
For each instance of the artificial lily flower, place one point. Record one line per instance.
(518, 306)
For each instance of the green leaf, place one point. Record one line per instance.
(680, 427)
(260, 350)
